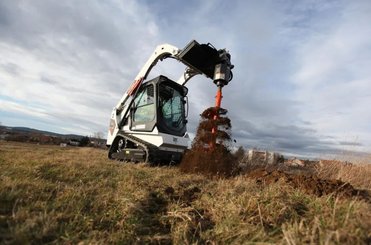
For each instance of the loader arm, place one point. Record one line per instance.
(122, 108)
(198, 59)
(161, 52)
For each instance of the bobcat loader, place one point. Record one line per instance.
(149, 122)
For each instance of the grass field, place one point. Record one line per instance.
(59, 195)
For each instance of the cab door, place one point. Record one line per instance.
(143, 113)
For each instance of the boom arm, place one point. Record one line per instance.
(161, 52)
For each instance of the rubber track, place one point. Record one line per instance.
(148, 148)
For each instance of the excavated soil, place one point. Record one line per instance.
(311, 184)
(215, 159)
(211, 159)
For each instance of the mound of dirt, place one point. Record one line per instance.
(310, 184)
(210, 153)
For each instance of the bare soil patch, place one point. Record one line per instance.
(311, 184)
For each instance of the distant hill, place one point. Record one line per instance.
(37, 131)
(25, 134)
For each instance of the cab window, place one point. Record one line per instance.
(171, 107)
(144, 105)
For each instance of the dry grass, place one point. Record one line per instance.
(357, 174)
(70, 195)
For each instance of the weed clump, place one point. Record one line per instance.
(210, 153)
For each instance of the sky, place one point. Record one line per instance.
(302, 77)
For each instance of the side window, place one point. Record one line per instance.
(145, 105)
(171, 105)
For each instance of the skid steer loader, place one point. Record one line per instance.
(148, 124)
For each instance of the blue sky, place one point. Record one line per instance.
(302, 82)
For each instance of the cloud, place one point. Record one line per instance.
(301, 79)
(333, 79)
(11, 68)
(72, 58)
(21, 108)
